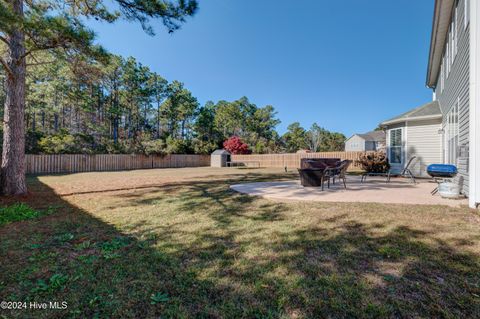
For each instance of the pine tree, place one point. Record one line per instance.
(29, 27)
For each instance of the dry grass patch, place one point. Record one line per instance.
(178, 243)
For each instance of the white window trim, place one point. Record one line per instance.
(442, 75)
(466, 13)
(451, 47)
(402, 129)
(455, 32)
(452, 134)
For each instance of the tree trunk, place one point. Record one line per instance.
(115, 129)
(33, 122)
(55, 122)
(158, 119)
(13, 155)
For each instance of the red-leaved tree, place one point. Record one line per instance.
(235, 146)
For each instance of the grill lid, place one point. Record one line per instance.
(442, 170)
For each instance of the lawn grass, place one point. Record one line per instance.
(177, 243)
(18, 212)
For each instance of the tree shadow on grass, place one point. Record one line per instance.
(249, 261)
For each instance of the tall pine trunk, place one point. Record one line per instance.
(13, 154)
(158, 119)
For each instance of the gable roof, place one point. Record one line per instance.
(442, 16)
(375, 136)
(220, 152)
(430, 110)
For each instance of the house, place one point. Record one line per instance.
(371, 141)
(415, 133)
(446, 130)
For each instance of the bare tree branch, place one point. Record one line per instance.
(47, 47)
(6, 67)
(4, 40)
(40, 63)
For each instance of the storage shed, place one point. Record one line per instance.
(219, 158)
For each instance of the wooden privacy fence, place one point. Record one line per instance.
(292, 160)
(72, 163)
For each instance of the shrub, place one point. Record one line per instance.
(178, 146)
(32, 139)
(235, 146)
(144, 144)
(154, 147)
(58, 144)
(376, 162)
(65, 143)
(113, 148)
(204, 147)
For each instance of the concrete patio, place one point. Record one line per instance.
(374, 190)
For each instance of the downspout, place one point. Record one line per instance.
(474, 107)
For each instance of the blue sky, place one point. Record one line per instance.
(345, 64)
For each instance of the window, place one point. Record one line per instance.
(442, 75)
(395, 146)
(467, 13)
(455, 33)
(452, 43)
(451, 134)
(447, 58)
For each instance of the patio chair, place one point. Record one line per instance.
(406, 172)
(312, 177)
(337, 172)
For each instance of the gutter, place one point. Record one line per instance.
(432, 41)
(442, 17)
(412, 119)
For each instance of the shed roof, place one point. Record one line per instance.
(221, 152)
(430, 110)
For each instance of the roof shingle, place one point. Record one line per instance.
(429, 109)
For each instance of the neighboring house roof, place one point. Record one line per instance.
(374, 136)
(427, 111)
(441, 22)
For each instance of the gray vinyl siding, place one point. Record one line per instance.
(424, 142)
(355, 144)
(457, 89)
